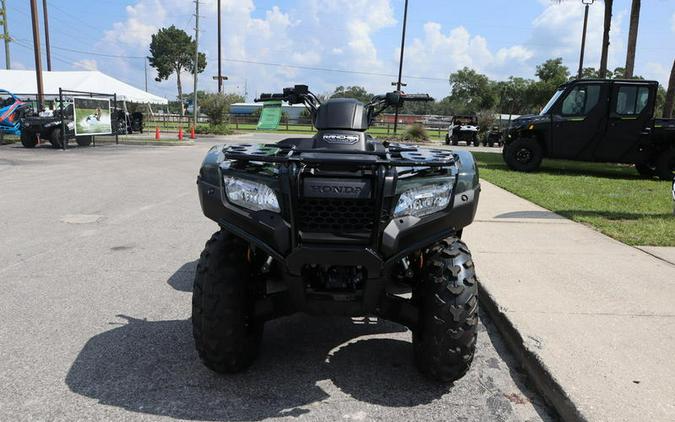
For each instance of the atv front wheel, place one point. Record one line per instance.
(226, 335)
(55, 138)
(28, 139)
(444, 341)
(523, 155)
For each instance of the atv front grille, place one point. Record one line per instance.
(336, 215)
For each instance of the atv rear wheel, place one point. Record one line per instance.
(444, 341)
(665, 165)
(28, 139)
(226, 335)
(84, 141)
(523, 155)
(454, 140)
(447, 139)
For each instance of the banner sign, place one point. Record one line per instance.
(270, 116)
(92, 116)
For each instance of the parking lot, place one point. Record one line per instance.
(97, 252)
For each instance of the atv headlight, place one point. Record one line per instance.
(424, 200)
(251, 195)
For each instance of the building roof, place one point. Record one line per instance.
(23, 82)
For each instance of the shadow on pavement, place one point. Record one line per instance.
(151, 367)
(183, 278)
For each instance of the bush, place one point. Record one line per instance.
(221, 129)
(416, 133)
(217, 106)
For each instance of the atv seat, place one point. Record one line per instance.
(298, 143)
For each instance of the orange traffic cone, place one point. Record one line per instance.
(192, 132)
(157, 134)
(180, 133)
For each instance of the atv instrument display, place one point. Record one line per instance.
(337, 224)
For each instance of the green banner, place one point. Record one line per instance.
(270, 116)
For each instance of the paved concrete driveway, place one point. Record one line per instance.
(97, 254)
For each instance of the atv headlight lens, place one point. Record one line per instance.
(424, 200)
(251, 195)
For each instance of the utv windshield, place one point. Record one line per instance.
(552, 101)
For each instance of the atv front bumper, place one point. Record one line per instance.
(280, 236)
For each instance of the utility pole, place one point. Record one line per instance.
(220, 70)
(583, 38)
(36, 50)
(47, 49)
(145, 69)
(400, 62)
(5, 35)
(195, 106)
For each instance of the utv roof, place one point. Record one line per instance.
(610, 81)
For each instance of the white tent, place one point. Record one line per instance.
(23, 82)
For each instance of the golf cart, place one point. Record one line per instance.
(463, 129)
(337, 224)
(596, 120)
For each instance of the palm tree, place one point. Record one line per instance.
(602, 73)
(632, 38)
(670, 95)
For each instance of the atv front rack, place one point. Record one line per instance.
(396, 155)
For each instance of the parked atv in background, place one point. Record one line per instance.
(47, 126)
(596, 120)
(493, 137)
(337, 224)
(12, 109)
(463, 129)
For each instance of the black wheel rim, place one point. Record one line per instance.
(524, 155)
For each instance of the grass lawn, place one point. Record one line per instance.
(611, 198)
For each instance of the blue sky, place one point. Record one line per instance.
(496, 37)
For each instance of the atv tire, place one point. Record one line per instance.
(444, 340)
(447, 139)
(84, 141)
(55, 138)
(645, 170)
(28, 139)
(523, 155)
(665, 165)
(227, 338)
(454, 141)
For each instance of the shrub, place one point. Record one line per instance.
(221, 129)
(217, 106)
(416, 133)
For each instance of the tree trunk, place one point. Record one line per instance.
(180, 92)
(632, 38)
(670, 95)
(602, 73)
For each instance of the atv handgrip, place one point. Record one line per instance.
(416, 97)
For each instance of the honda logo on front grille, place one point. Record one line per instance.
(336, 188)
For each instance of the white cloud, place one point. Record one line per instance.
(438, 53)
(557, 33)
(85, 64)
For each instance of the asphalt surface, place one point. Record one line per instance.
(97, 253)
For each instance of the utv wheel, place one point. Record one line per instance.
(645, 170)
(523, 155)
(226, 336)
(447, 139)
(445, 338)
(665, 165)
(454, 141)
(55, 138)
(28, 139)
(84, 141)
